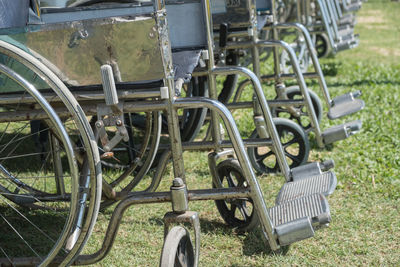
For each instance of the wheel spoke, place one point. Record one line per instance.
(230, 180)
(292, 141)
(293, 157)
(20, 236)
(29, 221)
(243, 210)
(232, 211)
(5, 254)
(14, 139)
(260, 158)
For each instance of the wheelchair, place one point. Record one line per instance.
(330, 22)
(84, 85)
(239, 28)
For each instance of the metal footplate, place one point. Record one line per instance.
(311, 169)
(348, 19)
(324, 184)
(353, 7)
(346, 31)
(345, 105)
(342, 131)
(347, 42)
(296, 220)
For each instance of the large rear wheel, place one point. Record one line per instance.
(49, 187)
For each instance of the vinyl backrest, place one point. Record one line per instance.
(14, 13)
(187, 25)
(264, 5)
(236, 13)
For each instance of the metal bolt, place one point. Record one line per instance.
(177, 182)
(99, 124)
(118, 122)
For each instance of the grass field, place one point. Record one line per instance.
(365, 207)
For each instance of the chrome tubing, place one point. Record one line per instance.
(302, 85)
(278, 149)
(238, 146)
(303, 30)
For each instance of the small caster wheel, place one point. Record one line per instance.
(293, 92)
(295, 145)
(322, 45)
(303, 58)
(238, 213)
(178, 249)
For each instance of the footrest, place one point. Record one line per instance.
(347, 19)
(347, 36)
(324, 184)
(346, 32)
(347, 44)
(311, 169)
(353, 7)
(342, 131)
(345, 105)
(296, 220)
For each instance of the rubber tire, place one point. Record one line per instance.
(322, 45)
(227, 167)
(177, 237)
(281, 125)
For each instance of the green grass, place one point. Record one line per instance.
(365, 207)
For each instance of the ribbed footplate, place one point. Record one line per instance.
(354, 7)
(315, 207)
(348, 42)
(346, 31)
(348, 19)
(324, 183)
(345, 105)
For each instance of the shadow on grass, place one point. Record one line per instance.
(206, 226)
(315, 147)
(253, 242)
(27, 232)
(19, 152)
